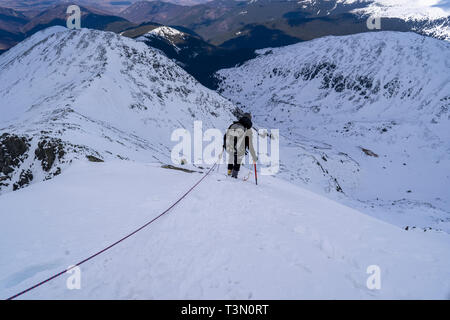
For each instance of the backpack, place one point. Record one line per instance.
(246, 125)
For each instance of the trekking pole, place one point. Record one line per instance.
(256, 175)
(257, 131)
(220, 159)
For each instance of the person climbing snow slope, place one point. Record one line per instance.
(237, 140)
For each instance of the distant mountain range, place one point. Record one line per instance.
(91, 18)
(15, 26)
(232, 24)
(220, 21)
(33, 7)
(11, 22)
(222, 33)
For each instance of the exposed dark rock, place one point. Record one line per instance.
(26, 176)
(169, 166)
(57, 172)
(12, 152)
(48, 151)
(16, 174)
(338, 187)
(94, 159)
(369, 152)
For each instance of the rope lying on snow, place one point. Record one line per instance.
(115, 243)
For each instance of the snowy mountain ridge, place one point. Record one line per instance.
(168, 34)
(365, 115)
(165, 31)
(98, 94)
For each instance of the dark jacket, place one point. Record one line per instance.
(246, 123)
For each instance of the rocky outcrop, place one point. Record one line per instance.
(26, 176)
(24, 159)
(48, 151)
(13, 152)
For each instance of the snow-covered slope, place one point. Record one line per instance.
(76, 93)
(226, 240)
(405, 9)
(430, 17)
(367, 115)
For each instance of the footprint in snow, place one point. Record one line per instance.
(321, 242)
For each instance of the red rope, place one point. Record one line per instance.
(115, 243)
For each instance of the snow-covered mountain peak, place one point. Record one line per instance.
(101, 92)
(407, 9)
(404, 9)
(87, 60)
(429, 17)
(165, 31)
(166, 34)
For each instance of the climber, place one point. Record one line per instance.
(236, 141)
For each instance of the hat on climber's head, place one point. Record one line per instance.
(247, 115)
(246, 120)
